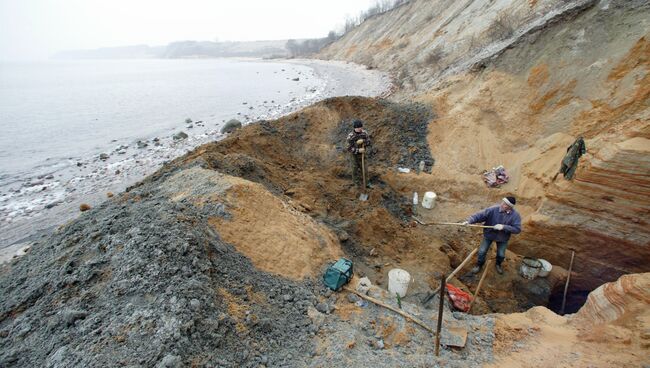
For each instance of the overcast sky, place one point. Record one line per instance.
(35, 29)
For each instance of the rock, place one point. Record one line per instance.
(342, 235)
(317, 318)
(142, 144)
(170, 361)
(323, 308)
(180, 136)
(50, 205)
(353, 298)
(295, 79)
(84, 207)
(379, 344)
(102, 156)
(231, 126)
(195, 304)
(69, 316)
(287, 297)
(49, 177)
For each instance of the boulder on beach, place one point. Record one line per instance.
(102, 156)
(180, 136)
(231, 126)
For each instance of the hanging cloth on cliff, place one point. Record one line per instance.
(570, 160)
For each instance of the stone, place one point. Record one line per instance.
(170, 361)
(102, 156)
(323, 308)
(180, 136)
(352, 298)
(231, 126)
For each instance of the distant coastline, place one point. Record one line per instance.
(185, 49)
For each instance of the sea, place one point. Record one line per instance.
(70, 129)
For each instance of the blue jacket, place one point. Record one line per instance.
(492, 216)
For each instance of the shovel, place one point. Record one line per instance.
(363, 196)
(449, 223)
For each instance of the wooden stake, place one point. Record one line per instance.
(443, 284)
(566, 286)
(480, 282)
(451, 275)
(400, 312)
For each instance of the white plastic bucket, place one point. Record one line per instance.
(546, 268)
(398, 282)
(429, 200)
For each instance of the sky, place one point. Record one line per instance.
(36, 29)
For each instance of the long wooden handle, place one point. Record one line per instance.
(440, 311)
(449, 223)
(363, 170)
(400, 312)
(480, 283)
(452, 274)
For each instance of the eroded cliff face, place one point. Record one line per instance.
(569, 69)
(611, 330)
(423, 40)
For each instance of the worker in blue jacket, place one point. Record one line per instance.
(505, 220)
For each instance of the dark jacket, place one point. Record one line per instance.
(492, 216)
(352, 139)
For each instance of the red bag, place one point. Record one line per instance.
(459, 298)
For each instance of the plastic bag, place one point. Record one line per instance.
(458, 298)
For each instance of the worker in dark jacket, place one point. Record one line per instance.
(505, 220)
(358, 142)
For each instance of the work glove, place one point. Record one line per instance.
(464, 223)
(361, 150)
(359, 142)
(498, 227)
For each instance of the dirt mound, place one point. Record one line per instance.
(145, 280)
(277, 238)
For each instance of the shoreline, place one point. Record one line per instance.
(45, 202)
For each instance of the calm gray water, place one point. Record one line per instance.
(66, 109)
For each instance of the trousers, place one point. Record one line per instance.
(485, 247)
(355, 164)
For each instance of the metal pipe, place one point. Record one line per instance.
(566, 286)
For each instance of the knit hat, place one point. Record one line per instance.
(510, 201)
(357, 123)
